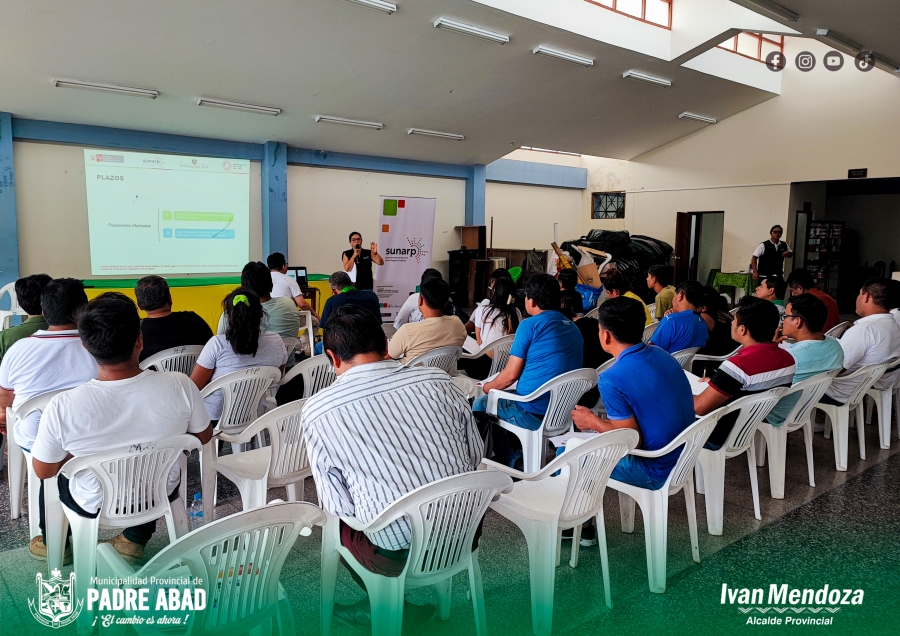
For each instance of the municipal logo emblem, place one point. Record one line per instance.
(55, 606)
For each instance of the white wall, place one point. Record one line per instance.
(875, 218)
(51, 210)
(325, 205)
(524, 215)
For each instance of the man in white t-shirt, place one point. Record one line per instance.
(283, 286)
(51, 359)
(124, 406)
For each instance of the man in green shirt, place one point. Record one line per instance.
(659, 279)
(28, 294)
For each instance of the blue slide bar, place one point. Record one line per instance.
(203, 234)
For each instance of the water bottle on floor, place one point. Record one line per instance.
(195, 515)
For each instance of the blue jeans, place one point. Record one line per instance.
(631, 470)
(511, 412)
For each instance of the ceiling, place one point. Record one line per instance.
(311, 57)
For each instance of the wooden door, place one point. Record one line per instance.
(683, 226)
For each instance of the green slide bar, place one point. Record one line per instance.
(223, 217)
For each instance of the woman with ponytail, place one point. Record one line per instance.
(242, 345)
(498, 318)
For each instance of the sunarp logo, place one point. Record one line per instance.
(415, 250)
(55, 606)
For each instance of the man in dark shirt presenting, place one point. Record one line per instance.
(164, 328)
(362, 260)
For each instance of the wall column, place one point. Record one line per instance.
(9, 236)
(274, 199)
(476, 185)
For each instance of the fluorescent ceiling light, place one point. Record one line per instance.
(556, 152)
(562, 55)
(247, 108)
(774, 9)
(647, 79)
(841, 43)
(705, 120)
(106, 88)
(387, 7)
(434, 133)
(328, 119)
(468, 29)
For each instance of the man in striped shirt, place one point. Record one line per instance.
(380, 431)
(760, 365)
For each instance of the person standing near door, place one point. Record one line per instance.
(768, 258)
(360, 260)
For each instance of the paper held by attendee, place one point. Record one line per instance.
(561, 440)
(697, 387)
(471, 345)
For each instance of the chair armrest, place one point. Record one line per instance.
(244, 436)
(705, 358)
(545, 472)
(111, 563)
(498, 394)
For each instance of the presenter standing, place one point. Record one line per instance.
(361, 260)
(768, 259)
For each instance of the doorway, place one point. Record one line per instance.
(698, 245)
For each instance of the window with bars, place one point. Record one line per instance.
(608, 205)
(756, 46)
(655, 12)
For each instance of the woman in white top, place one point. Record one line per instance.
(498, 318)
(242, 345)
(409, 312)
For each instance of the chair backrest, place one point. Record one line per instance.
(606, 365)
(593, 313)
(838, 330)
(866, 376)
(733, 311)
(317, 372)
(589, 465)
(37, 403)
(14, 309)
(306, 325)
(652, 308)
(134, 478)
(565, 391)
(811, 391)
(500, 348)
(289, 458)
(180, 359)
(648, 330)
(242, 392)
(685, 357)
(691, 442)
(239, 560)
(443, 517)
(753, 409)
(291, 345)
(441, 358)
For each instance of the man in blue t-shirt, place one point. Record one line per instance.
(645, 390)
(547, 345)
(683, 327)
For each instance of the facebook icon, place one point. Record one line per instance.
(775, 61)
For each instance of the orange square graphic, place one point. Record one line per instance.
(385, 228)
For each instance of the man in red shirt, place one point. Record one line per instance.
(800, 281)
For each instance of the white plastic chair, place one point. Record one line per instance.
(499, 349)
(649, 330)
(542, 506)
(883, 399)
(291, 345)
(655, 503)
(774, 438)
(318, 373)
(238, 560)
(685, 357)
(839, 416)
(14, 309)
(180, 359)
(307, 329)
(838, 330)
(710, 476)
(565, 390)
(599, 407)
(441, 358)
(134, 483)
(282, 463)
(700, 357)
(443, 517)
(593, 313)
(466, 385)
(652, 308)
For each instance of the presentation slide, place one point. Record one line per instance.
(165, 214)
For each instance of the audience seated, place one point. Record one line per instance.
(659, 279)
(546, 345)
(760, 365)
(243, 345)
(571, 307)
(682, 327)
(436, 330)
(496, 275)
(616, 285)
(283, 286)
(500, 317)
(124, 406)
(645, 390)
(872, 339)
(163, 328)
(773, 289)
(409, 311)
(280, 314)
(371, 438)
(813, 352)
(344, 293)
(714, 312)
(28, 294)
(800, 281)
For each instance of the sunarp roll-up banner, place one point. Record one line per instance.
(405, 242)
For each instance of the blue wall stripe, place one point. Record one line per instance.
(9, 237)
(37, 130)
(538, 174)
(274, 199)
(475, 195)
(325, 159)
